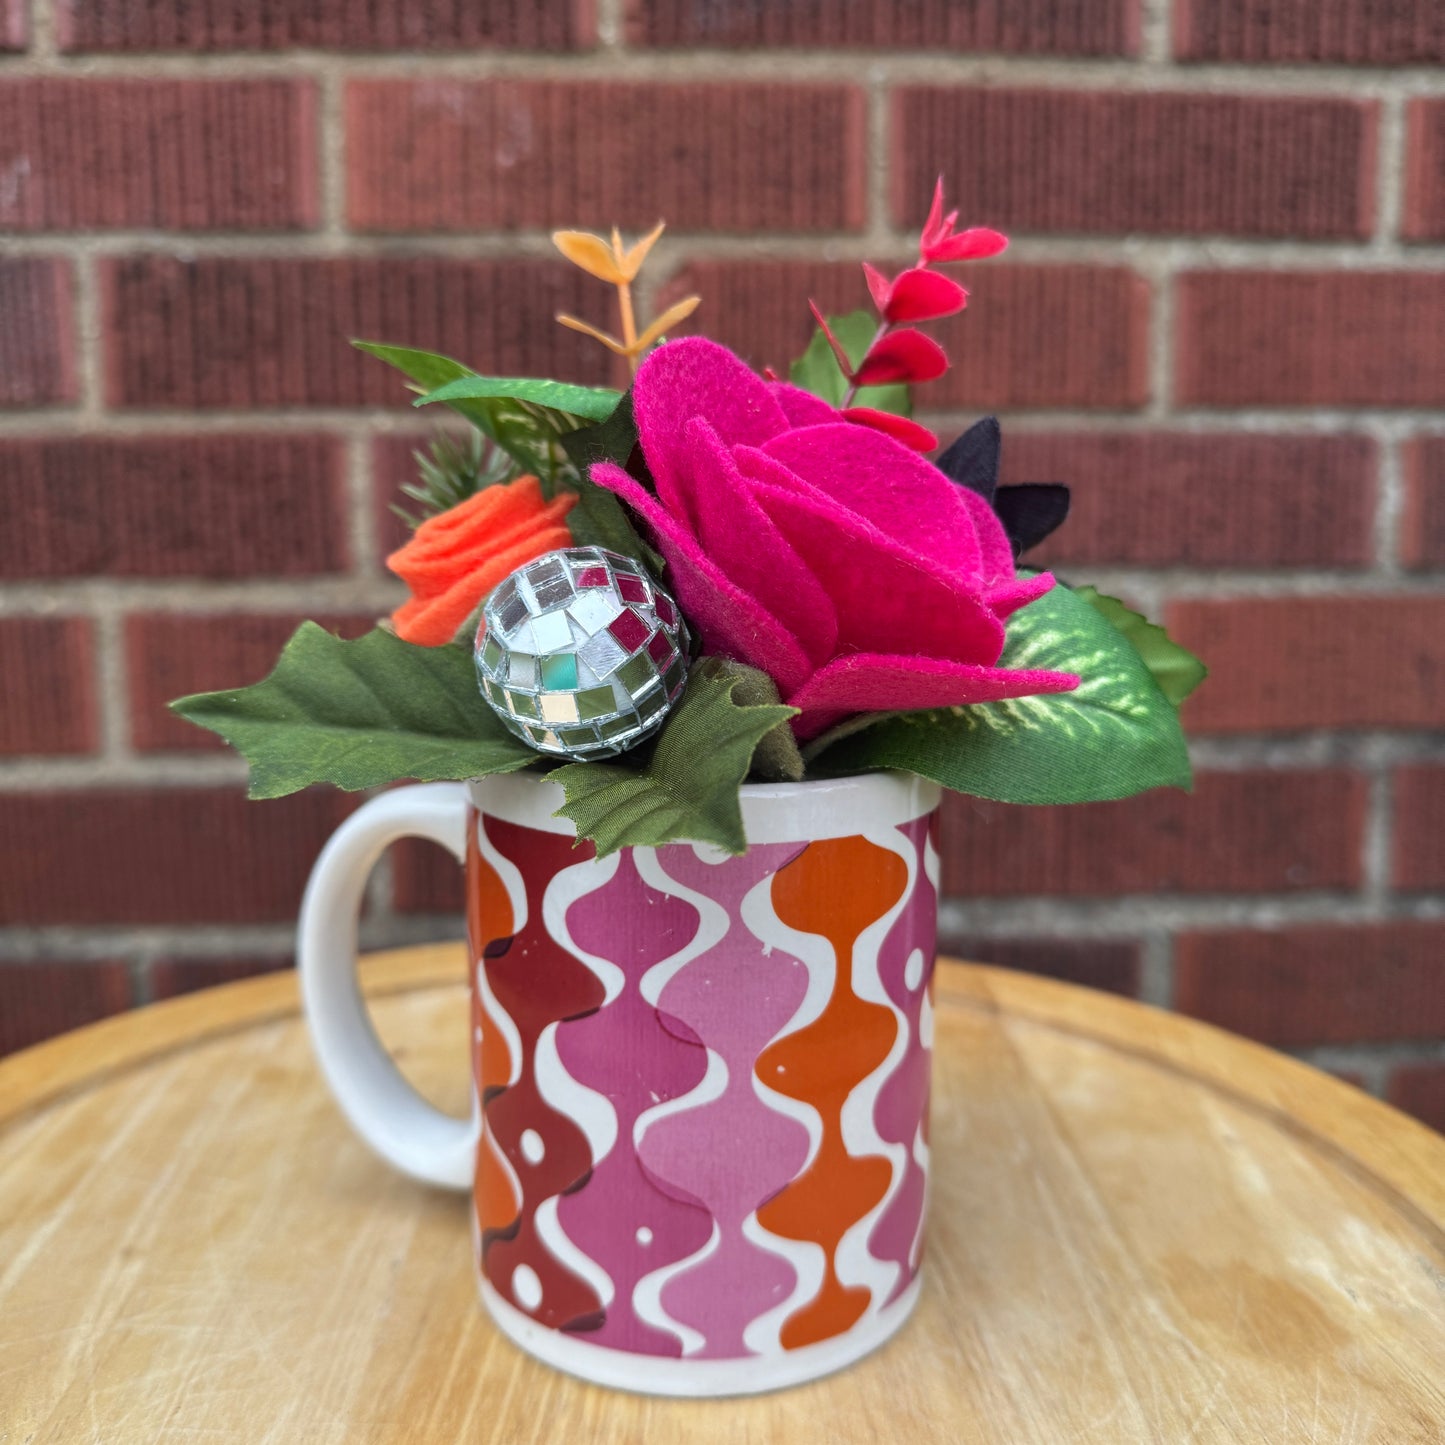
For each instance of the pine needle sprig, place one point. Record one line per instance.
(457, 468)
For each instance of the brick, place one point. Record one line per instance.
(1424, 214)
(41, 999)
(1326, 984)
(1017, 27)
(426, 879)
(1418, 846)
(1422, 517)
(37, 343)
(47, 701)
(164, 855)
(1286, 32)
(1344, 338)
(446, 154)
(244, 332)
(1017, 345)
(383, 25)
(1105, 963)
(1247, 832)
(14, 25)
(219, 506)
(168, 977)
(1120, 161)
(168, 656)
(166, 154)
(1419, 1089)
(1291, 664)
(1175, 499)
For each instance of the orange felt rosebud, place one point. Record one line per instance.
(455, 558)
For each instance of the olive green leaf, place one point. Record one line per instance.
(1177, 671)
(688, 787)
(1113, 736)
(529, 432)
(817, 370)
(360, 714)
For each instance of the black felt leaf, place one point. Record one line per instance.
(1030, 511)
(972, 460)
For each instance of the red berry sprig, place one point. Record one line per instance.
(900, 352)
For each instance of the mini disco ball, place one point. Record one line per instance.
(580, 653)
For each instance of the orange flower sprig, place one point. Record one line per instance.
(455, 558)
(619, 268)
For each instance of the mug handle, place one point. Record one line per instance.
(382, 1106)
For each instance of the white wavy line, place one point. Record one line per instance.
(712, 1085)
(560, 1246)
(763, 1335)
(590, 1111)
(647, 1295)
(757, 913)
(925, 1019)
(511, 878)
(712, 923)
(922, 1156)
(568, 887)
(854, 1264)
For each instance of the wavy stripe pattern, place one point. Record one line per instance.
(704, 1085)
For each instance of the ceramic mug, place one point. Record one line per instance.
(698, 1154)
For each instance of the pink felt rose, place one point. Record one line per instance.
(824, 553)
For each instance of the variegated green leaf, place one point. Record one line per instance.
(1115, 735)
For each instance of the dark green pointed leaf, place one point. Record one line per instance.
(1177, 671)
(360, 714)
(590, 403)
(816, 370)
(1115, 735)
(688, 788)
(611, 440)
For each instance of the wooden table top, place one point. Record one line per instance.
(1142, 1230)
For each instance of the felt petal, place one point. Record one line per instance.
(922, 295)
(906, 355)
(1006, 599)
(690, 377)
(876, 682)
(729, 621)
(802, 407)
(975, 244)
(915, 437)
(995, 551)
(904, 496)
(888, 598)
(738, 535)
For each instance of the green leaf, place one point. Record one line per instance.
(776, 758)
(529, 433)
(816, 370)
(590, 403)
(1115, 735)
(360, 714)
(688, 788)
(1177, 671)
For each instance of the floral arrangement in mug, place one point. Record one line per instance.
(720, 576)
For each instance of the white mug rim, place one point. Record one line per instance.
(772, 812)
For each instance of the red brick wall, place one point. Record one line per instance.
(1223, 320)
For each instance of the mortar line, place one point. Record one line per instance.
(801, 64)
(1213, 251)
(112, 692)
(1156, 29)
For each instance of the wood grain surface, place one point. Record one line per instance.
(1143, 1230)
